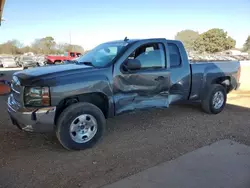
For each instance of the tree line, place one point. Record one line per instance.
(211, 41)
(46, 45)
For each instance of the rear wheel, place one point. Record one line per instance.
(215, 100)
(80, 126)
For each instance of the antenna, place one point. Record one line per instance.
(126, 39)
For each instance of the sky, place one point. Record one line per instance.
(90, 22)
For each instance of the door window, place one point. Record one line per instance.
(78, 54)
(151, 56)
(72, 54)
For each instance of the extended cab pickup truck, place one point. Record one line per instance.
(50, 59)
(115, 77)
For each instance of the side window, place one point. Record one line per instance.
(149, 49)
(113, 50)
(78, 54)
(174, 54)
(72, 54)
(150, 56)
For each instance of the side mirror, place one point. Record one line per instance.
(132, 64)
(4, 87)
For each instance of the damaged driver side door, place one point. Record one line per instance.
(143, 79)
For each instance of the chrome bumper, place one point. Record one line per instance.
(31, 119)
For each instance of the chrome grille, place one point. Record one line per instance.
(16, 89)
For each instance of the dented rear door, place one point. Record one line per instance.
(147, 87)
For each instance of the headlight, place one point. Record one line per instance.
(36, 96)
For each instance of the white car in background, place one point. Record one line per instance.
(8, 62)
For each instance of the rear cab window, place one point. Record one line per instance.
(174, 55)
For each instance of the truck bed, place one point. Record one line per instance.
(205, 73)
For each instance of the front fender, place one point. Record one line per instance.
(90, 84)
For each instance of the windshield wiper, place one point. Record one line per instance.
(86, 63)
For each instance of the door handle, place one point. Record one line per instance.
(159, 78)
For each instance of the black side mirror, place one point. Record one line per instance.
(132, 64)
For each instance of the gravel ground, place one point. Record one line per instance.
(133, 142)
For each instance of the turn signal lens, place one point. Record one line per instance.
(45, 96)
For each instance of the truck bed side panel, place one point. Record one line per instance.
(207, 73)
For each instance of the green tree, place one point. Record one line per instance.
(61, 48)
(214, 40)
(230, 43)
(187, 37)
(48, 44)
(26, 49)
(44, 45)
(10, 47)
(74, 48)
(246, 46)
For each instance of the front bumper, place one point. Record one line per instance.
(31, 119)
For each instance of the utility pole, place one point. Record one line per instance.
(70, 37)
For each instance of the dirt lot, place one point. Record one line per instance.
(133, 142)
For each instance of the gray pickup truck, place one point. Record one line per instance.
(74, 100)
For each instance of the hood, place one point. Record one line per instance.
(49, 75)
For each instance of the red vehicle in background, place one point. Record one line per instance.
(51, 59)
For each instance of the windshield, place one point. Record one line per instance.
(103, 54)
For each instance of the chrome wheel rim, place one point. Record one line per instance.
(218, 100)
(83, 128)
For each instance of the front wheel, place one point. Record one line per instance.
(215, 100)
(80, 126)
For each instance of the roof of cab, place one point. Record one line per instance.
(138, 40)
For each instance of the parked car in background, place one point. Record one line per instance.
(71, 61)
(50, 59)
(74, 100)
(8, 62)
(27, 61)
(40, 60)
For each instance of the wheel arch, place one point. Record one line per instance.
(225, 81)
(97, 98)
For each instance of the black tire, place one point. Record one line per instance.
(67, 117)
(207, 102)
